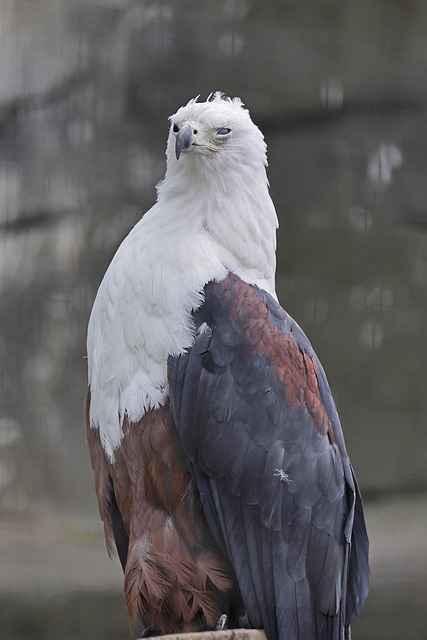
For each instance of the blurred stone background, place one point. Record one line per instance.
(339, 89)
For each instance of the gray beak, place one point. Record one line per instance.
(184, 139)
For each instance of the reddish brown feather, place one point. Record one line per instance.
(175, 577)
(102, 478)
(293, 366)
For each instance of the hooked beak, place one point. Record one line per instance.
(184, 139)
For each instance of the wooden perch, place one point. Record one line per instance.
(228, 634)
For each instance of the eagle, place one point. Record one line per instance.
(221, 471)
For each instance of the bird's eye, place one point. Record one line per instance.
(225, 131)
(175, 128)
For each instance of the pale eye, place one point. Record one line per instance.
(175, 128)
(225, 131)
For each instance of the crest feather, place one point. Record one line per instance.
(218, 96)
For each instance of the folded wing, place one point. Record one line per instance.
(260, 431)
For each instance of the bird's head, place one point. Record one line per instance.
(216, 134)
(216, 186)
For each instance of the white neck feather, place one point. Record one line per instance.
(233, 209)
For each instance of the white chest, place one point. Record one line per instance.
(141, 315)
(142, 312)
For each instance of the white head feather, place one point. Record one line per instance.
(213, 215)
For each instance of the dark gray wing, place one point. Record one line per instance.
(257, 422)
